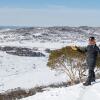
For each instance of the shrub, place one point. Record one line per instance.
(71, 62)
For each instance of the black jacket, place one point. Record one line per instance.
(92, 52)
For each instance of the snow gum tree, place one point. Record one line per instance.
(71, 62)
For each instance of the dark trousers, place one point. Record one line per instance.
(91, 76)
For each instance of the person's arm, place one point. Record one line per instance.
(82, 49)
(98, 50)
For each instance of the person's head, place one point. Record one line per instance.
(92, 41)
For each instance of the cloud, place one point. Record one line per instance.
(52, 16)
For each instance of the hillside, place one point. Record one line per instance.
(24, 53)
(77, 92)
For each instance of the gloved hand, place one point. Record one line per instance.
(74, 47)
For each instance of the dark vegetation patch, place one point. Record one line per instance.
(21, 51)
(19, 93)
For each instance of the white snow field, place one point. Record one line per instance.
(76, 92)
(26, 72)
(29, 72)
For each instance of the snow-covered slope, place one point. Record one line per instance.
(68, 35)
(77, 92)
(28, 72)
(25, 72)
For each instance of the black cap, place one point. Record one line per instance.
(91, 38)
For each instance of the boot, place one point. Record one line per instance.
(87, 83)
(92, 80)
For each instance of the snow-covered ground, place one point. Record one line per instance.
(25, 72)
(29, 72)
(76, 92)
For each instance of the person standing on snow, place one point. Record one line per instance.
(92, 51)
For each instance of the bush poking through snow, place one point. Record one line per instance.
(71, 62)
(19, 93)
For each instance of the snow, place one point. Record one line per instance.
(37, 34)
(97, 33)
(45, 45)
(3, 30)
(26, 72)
(35, 44)
(76, 92)
(29, 72)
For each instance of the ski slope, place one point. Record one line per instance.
(77, 92)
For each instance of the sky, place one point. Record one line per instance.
(50, 12)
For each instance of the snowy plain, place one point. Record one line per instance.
(29, 72)
(25, 72)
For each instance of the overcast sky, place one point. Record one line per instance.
(50, 12)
